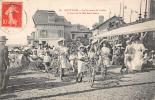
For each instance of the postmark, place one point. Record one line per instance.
(12, 14)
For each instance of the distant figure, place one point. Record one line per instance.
(4, 63)
(10, 12)
(25, 60)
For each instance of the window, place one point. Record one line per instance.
(51, 19)
(60, 33)
(43, 34)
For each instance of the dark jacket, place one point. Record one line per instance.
(4, 60)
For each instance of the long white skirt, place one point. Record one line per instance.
(81, 66)
(137, 61)
(128, 61)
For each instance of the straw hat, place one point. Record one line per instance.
(26, 48)
(118, 45)
(3, 38)
(103, 40)
(94, 41)
(128, 41)
(61, 40)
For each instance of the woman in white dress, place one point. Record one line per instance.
(81, 63)
(138, 55)
(105, 60)
(63, 58)
(129, 51)
(72, 59)
(93, 60)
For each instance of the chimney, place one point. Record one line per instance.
(101, 19)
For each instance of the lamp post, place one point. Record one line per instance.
(123, 11)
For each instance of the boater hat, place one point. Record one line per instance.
(3, 38)
(118, 45)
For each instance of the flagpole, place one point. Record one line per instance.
(145, 13)
(120, 10)
(140, 13)
(123, 11)
(109, 14)
(131, 15)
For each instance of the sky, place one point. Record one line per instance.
(62, 7)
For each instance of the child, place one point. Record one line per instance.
(47, 61)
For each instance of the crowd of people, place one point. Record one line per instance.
(97, 56)
(99, 53)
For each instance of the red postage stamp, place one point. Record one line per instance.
(12, 14)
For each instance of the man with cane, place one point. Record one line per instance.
(4, 63)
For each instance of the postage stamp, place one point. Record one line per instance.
(12, 14)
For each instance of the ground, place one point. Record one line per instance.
(32, 85)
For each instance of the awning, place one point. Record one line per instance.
(136, 28)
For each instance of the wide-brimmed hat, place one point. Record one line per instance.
(103, 41)
(118, 45)
(26, 48)
(134, 38)
(94, 41)
(61, 40)
(122, 48)
(3, 38)
(128, 41)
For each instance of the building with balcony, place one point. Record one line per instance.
(51, 27)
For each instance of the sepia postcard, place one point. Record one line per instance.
(77, 49)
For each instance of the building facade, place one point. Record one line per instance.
(51, 27)
(101, 27)
(79, 31)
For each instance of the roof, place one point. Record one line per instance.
(81, 32)
(107, 21)
(45, 17)
(130, 29)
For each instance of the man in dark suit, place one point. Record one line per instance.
(4, 63)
